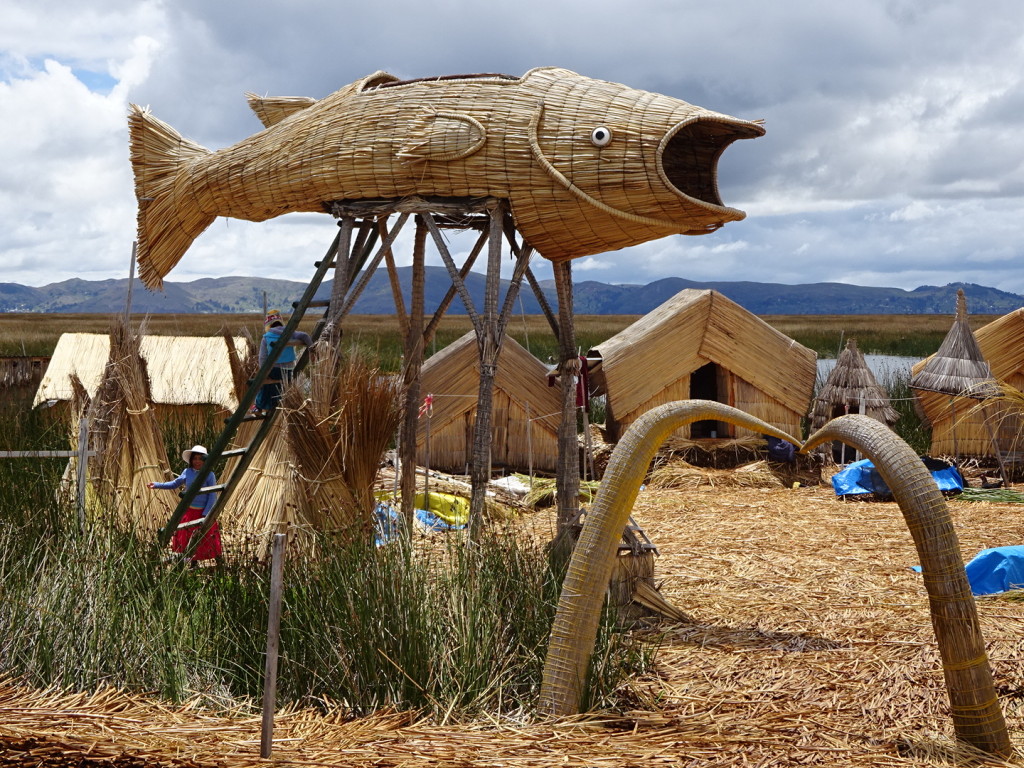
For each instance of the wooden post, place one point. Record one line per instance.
(568, 478)
(995, 447)
(339, 286)
(411, 368)
(489, 343)
(131, 284)
(529, 441)
(82, 467)
(273, 644)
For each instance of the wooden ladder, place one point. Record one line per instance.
(360, 252)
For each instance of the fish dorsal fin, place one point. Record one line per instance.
(271, 110)
(443, 136)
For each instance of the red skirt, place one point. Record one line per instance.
(208, 548)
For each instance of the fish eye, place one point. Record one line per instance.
(601, 136)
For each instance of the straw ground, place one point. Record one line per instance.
(810, 645)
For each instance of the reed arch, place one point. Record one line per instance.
(977, 716)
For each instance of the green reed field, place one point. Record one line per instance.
(909, 335)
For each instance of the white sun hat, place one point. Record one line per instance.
(186, 456)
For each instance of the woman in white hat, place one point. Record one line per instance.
(210, 547)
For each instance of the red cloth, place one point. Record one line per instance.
(208, 548)
(582, 384)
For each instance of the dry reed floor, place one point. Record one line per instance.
(811, 645)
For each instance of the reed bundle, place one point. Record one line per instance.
(543, 492)
(269, 498)
(679, 474)
(340, 420)
(127, 440)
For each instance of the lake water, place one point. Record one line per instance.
(883, 366)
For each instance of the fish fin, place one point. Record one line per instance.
(443, 136)
(168, 218)
(271, 110)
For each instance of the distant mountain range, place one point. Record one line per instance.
(245, 294)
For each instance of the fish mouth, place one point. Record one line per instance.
(688, 160)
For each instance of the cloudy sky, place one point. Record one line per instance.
(893, 155)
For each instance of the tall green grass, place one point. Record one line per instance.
(454, 632)
(424, 625)
(910, 425)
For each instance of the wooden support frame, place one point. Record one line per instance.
(411, 368)
(567, 489)
(352, 261)
(490, 326)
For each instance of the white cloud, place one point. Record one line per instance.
(892, 155)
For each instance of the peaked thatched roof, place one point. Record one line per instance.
(852, 384)
(183, 370)
(695, 327)
(959, 367)
(453, 377)
(1002, 342)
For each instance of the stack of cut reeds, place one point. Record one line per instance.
(340, 419)
(679, 474)
(129, 448)
(269, 497)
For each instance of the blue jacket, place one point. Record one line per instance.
(204, 500)
(287, 358)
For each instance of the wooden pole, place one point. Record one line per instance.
(82, 467)
(489, 342)
(568, 477)
(995, 447)
(273, 644)
(411, 373)
(131, 284)
(529, 441)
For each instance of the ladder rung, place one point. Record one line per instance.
(317, 303)
(212, 488)
(192, 523)
(332, 265)
(234, 452)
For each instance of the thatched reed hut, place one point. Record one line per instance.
(526, 411)
(851, 387)
(186, 374)
(22, 370)
(954, 387)
(702, 345)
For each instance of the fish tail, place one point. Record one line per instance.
(169, 219)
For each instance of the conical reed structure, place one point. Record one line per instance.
(957, 371)
(269, 498)
(851, 387)
(958, 368)
(126, 437)
(340, 422)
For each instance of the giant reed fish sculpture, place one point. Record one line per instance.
(587, 166)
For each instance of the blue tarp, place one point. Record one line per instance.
(387, 524)
(434, 522)
(995, 570)
(861, 477)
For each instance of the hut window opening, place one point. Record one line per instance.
(709, 382)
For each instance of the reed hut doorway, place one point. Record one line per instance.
(710, 382)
